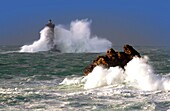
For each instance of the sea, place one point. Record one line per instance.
(53, 81)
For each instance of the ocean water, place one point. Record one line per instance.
(52, 81)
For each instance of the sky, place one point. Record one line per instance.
(135, 22)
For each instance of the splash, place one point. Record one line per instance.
(43, 44)
(138, 73)
(76, 39)
(102, 77)
(141, 74)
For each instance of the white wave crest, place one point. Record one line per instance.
(138, 73)
(40, 45)
(77, 38)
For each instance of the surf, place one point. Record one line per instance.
(75, 39)
(138, 74)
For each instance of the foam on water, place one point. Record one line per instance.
(69, 81)
(37, 88)
(77, 38)
(102, 77)
(138, 74)
(141, 75)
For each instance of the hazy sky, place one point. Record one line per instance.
(136, 22)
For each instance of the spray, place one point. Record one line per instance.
(76, 39)
(138, 74)
(43, 44)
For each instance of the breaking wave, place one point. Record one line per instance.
(138, 74)
(76, 39)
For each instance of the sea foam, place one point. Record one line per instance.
(75, 39)
(138, 73)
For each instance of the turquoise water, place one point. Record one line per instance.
(31, 81)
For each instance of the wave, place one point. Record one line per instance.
(138, 74)
(76, 39)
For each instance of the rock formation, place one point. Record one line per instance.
(113, 58)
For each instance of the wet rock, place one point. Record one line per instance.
(113, 58)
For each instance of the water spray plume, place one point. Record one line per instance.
(76, 39)
(138, 73)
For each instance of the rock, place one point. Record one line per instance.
(130, 51)
(88, 69)
(113, 58)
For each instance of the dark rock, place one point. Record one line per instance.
(88, 69)
(130, 51)
(113, 58)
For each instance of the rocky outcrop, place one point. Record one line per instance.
(113, 58)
